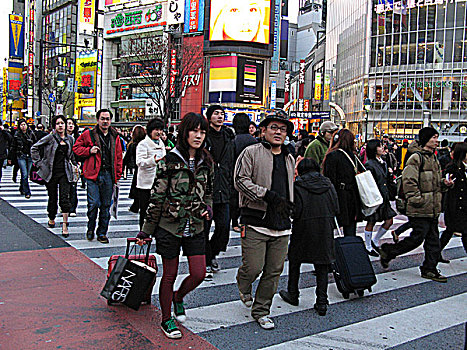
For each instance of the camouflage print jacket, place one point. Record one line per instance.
(178, 195)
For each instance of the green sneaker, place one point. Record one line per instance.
(179, 311)
(434, 276)
(170, 329)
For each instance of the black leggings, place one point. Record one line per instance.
(143, 199)
(447, 235)
(64, 195)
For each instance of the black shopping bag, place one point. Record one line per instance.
(129, 282)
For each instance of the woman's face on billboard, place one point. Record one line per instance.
(242, 20)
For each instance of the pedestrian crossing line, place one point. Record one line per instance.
(81, 204)
(211, 317)
(388, 330)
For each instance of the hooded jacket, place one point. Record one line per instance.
(316, 206)
(179, 196)
(422, 187)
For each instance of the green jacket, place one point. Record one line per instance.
(422, 188)
(179, 196)
(317, 149)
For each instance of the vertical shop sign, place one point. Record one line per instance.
(306, 105)
(287, 87)
(173, 71)
(318, 86)
(276, 48)
(273, 93)
(194, 16)
(301, 85)
(16, 37)
(176, 11)
(87, 11)
(327, 86)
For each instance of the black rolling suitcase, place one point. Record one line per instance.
(352, 270)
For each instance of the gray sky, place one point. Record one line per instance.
(6, 7)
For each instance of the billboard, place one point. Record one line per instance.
(86, 77)
(240, 20)
(192, 78)
(194, 16)
(135, 20)
(16, 37)
(276, 48)
(250, 78)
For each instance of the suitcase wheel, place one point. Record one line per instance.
(360, 292)
(346, 295)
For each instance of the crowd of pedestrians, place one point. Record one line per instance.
(285, 196)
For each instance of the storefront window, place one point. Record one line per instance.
(459, 45)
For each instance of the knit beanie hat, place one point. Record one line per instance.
(211, 110)
(425, 134)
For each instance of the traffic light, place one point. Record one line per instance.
(85, 90)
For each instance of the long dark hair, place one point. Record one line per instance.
(343, 139)
(75, 133)
(190, 122)
(460, 151)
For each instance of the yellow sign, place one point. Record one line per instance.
(5, 92)
(327, 86)
(87, 11)
(86, 102)
(318, 86)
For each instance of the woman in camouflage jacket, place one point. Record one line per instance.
(181, 199)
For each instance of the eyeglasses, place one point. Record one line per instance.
(274, 127)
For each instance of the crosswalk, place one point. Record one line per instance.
(403, 310)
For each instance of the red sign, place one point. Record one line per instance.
(301, 85)
(194, 9)
(14, 85)
(287, 87)
(192, 80)
(86, 80)
(306, 105)
(173, 71)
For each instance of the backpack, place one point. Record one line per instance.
(401, 200)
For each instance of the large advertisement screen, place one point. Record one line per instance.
(240, 20)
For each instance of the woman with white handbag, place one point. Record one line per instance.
(341, 167)
(385, 213)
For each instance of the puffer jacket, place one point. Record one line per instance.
(179, 196)
(422, 188)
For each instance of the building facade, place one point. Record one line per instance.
(408, 58)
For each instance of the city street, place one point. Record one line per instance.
(403, 311)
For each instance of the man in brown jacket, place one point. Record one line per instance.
(264, 179)
(422, 182)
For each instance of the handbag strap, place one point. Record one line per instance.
(355, 165)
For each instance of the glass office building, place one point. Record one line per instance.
(415, 67)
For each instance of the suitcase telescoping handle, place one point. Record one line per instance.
(338, 228)
(147, 242)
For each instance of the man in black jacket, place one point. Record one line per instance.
(220, 144)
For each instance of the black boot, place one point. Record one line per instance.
(290, 298)
(321, 309)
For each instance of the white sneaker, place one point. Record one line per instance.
(215, 265)
(246, 299)
(72, 215)
(265, 322)
(208, 273)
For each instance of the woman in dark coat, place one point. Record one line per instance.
(312, 240)
(455, 215)
(380, 172)
(22, 143)
(341, 171)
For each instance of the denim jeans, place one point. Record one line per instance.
(99, 195)
(25, 164)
